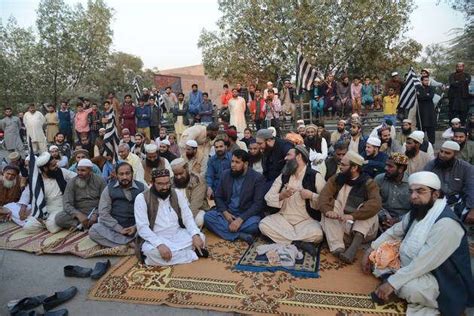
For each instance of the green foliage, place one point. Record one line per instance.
(259, 39)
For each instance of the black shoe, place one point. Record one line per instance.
(100, 269)
(59, 297)
(27, 304)
(23, 313)
(202, 253)
(59, 312)
(77, 271)
(305, 246)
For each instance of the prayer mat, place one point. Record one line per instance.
(213, 284)
(307, 267)
(77, 243)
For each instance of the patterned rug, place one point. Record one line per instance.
(213, 284)
(12, 237)
(307, 267)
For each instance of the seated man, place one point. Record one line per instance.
(239, 201)
(195, 158)
(139, 147)
(54, 186)
(457, 179)
(393, 185)
(62, 160)
(435, 273)
(331, 166)
(255, 157)
(83, 154)
(10, 192)
(295, 194)
(81, 198)
(467, 146)
(349, 204)
(153, 161)
(375, 159)
(215, 167)
(165, 151)
(389, 144)
(166, 229)
(417, 159)
(135, 161)
(193, 187)
(116, 224)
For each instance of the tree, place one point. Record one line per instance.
(437, 60)
(260, 39)
(462, 45)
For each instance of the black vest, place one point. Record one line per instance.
(122, 208)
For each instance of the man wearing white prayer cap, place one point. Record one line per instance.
(165, 151)
(56, 153)
(54, 185)
(136, 162)
(375, 159)
(81, 198)
(154, 160)
(457, 179)
(191, 185)
(435, 271)
(417, 159)
(197, 161)
(449, 133)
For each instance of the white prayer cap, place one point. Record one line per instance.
(427, 178)
(177, 163)
(53, 147)
(455, 120)
(394, 74)
(85, 163)
(355, 158)
(43, 159)
(374, 141)
(299, 122)
(449, 144)
(274, 132)
(101, 129)
(192, 143)
(151, 148)
(407, 121)
(317, 79)
(269, 83)
(165, 142)
(418, 136)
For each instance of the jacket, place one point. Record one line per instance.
(215, 167)
(273, 161)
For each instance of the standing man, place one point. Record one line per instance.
(257, 109)
(237, 108)
(127, 116)
(81, 124)
(170, 99)
(52, 123)
(458, 93)
(426, 118)
(66, 118)
(95, 122)
(287, 98)
(195, 101)
(180, 113)
(225, 96)
(155, 118)
(34, 122)
(11, 126)
(143, 114)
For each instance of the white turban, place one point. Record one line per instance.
(178, 162)
(53, 147)
(165, 142)
(151, 148)
(192, 143)
(374, 141)
(449, 144)
(274, 132)
(427, 178)
(85, 163)
(418, 136)
(455, 120)
(43, 159)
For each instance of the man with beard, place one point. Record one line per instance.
(393, 186)
(343, 97)
(62, 160)
(239, 201)
(165, 151)
(417, 159)
(11, 126)
(135, 161)
(216, 165)
(232, 142)
(426, 116)
(332, 165)
(449, 133)
(405, 132)
(167, 233)
(457, 179)
(15, 159)
(64, 147)
(54, 186)
(116, 223)
(389, 145)
(162, 136)
(458, 93)
(127, 116)
(204, 137)
(127, 138)
(316, 145)
(154, 161)
(85, 143)
(193, 187)
(10, 189)
(139, 147)
(255, 157)
(295, 193)
(34, 122)
(355, 139)
(274, 152)
(467, 146)
(81, 198)
(375, 160)
(340, 133)
(80, 154)
(349, 204)
(435, 273)
(195, 158)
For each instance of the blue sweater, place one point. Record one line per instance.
(215, 167)
(195, 101)
(143, 116)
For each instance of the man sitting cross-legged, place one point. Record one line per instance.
(349, 204)
(116, 224)
(295, 194)
(81, 198)
(193, 187)
(434, 274)
(165, 224)
(239, 201)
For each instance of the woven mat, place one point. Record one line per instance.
(12, 237)
(213, 284)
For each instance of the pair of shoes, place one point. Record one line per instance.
(58, 298)
(305, 246)
(80, 272)
(27, 304)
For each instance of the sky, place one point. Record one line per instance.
(164, 33)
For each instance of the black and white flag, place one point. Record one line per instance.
(305, 74)
(136, 88)
(408, 94)
(111, 139)
(36, 185)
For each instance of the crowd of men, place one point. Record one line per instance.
(161, 189)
